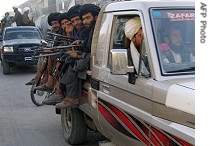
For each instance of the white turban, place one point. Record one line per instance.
(26, 9)
(15, 7)
(132, 26)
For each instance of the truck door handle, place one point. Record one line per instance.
(106, 88)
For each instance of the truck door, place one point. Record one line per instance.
(122, 106)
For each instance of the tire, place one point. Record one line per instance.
(73, 125)
(6, 67)
(37, 97)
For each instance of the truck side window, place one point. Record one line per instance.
(127, 33)
(117, 35)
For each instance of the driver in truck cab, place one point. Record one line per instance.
(174, 50)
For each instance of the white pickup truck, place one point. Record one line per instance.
(128, 107)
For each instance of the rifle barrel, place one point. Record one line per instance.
(58, 47)
(51, 54)
(61, 36)
(45, 55)
(64, 47)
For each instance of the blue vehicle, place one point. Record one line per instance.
(17, 46)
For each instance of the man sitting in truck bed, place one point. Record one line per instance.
(88, 14)
(79, 33)
(42, 69)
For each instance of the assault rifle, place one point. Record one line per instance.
(55, 50)
(59, 38)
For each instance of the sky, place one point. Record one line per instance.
(6, 5)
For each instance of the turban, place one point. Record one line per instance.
(53, 17)
(26, 9)
(62, 17)
(132, 26)
(89, 8)
(74, 11)
(15, 7)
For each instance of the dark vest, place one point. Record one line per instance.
(184, 53)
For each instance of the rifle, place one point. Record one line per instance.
(45, 55)
(57, 48)
(56, 51)
(60, 37)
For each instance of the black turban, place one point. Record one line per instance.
(62, 17)
(53, 17)
(89, 8)
(74, 11)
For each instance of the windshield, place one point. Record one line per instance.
(11, 34)
(175, 40)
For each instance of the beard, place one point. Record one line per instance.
(89, 26)
(177, 48)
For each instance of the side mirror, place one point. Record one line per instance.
(119, 62)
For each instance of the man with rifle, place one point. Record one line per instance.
(77, 70)
(53, 22)
(79, 33)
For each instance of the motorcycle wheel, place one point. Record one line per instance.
(38, 96)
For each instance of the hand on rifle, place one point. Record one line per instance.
(73, 53)
(77, 42)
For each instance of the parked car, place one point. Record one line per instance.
(17, 46)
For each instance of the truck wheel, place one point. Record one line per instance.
(6, 68)
(73, 125)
